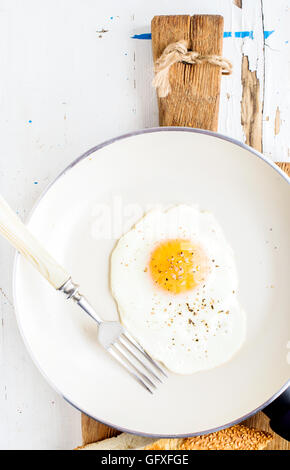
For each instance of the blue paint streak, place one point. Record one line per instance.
(227, 34)
(35, 182)
(268, 33)
(244, 34)
(142, 36)
(30, 121)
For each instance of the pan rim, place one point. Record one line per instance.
(17, 257)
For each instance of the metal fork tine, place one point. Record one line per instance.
(142, 351)
(131, 348)
(111, 331)
(128, 356)
(128, 368)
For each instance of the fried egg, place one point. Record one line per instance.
(174, 279)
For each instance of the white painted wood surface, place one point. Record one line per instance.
(66, 86)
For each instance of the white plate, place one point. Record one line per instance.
(250, 198)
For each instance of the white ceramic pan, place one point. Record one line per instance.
(79, 219)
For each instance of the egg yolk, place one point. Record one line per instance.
(178, 265)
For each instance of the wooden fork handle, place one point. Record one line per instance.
(14, 230)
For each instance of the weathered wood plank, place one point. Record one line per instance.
(194, 98)
(92, 431)
(251, 106)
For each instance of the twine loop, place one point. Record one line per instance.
(178, 52)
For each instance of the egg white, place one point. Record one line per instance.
(187, 332)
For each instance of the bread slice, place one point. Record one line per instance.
(121, 442)
(237, 437)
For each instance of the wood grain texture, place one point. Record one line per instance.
(92, 431)
(238, 3)
(285, 167)
(194, 98)
(251, 106)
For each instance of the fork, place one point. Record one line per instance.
(111, 334)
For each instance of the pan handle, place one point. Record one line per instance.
(279, 413)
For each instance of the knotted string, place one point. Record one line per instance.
(178, 52)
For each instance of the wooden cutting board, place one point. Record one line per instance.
(194, 102)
